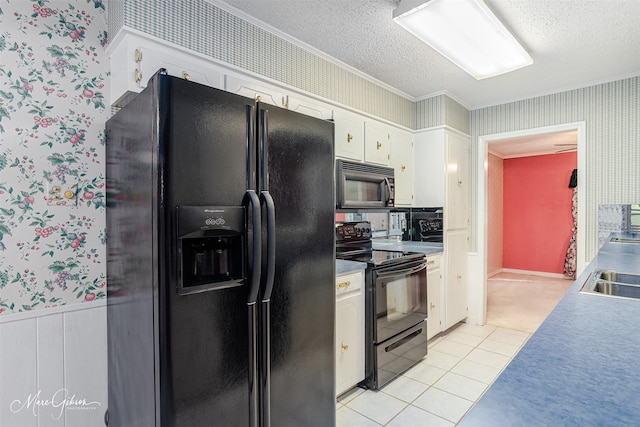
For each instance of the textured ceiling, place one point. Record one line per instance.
(573, 43)
(535, 145)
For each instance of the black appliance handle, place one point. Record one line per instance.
(253, 201)
(265, 309)
(263, 141)
(271, 244)
(251, 155)
(391, 272)
(387, 197)
(398, 343)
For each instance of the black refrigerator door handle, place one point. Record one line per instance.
(263, 135)
(265, 310)
(253, 201)
(271, 244)
(251, 150)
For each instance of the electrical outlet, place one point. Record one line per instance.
(62, 193)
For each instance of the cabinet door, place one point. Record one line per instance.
(456, 248)
(434, 288)
(349, 342)
(376, 143)
(429, 170)
(401, 160)
(457, 182)
(349, 135)
(255, 90)
(139, 58)
(309, 107)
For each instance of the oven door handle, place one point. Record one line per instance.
(392, 272)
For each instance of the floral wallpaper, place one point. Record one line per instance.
(53, 77)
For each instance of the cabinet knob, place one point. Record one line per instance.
(432, 306)
(403, 168)
(344, 284)
(431, 262)
(459, 182)
(138, 76)
(349, 137)
(459, 276)
(344, 347)
(186, 76)
(378, 144)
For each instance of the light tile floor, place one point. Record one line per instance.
(460, 364)
(440, 390)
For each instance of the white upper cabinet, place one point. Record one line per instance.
(457, 181)
(135, 59)
(441, 162)
(309, 107)
(255, 90)
(349, 135)
(376, 143)
(429, 168)
(274, 95)
(401, 160)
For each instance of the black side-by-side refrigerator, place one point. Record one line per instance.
(221, 261)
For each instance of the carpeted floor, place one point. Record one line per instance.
(522, 302)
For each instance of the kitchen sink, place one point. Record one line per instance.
(625, 239)
(613, 283)
(615, 276)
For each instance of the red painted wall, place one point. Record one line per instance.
(537, 212)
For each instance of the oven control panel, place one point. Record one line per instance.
(353, 231)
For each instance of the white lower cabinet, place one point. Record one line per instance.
(349, 330)
(456, 244)
(435, 323)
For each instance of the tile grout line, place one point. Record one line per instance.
(438, 340)
(430, 386)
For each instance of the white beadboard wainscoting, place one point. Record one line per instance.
(53, 367)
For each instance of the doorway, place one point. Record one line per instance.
(532, 140)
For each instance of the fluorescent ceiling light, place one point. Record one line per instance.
(466, 32)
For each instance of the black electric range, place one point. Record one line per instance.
(395, 304)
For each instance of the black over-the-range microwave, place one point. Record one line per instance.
(360, 185)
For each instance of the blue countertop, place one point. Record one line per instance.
(581, 366)
(426, 248)
(344, 266)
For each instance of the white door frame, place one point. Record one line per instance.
(479, 297)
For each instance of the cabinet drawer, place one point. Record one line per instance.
(433, 261)
(349, 283)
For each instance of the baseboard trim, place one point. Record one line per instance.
(493, 273)
(534, 273)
